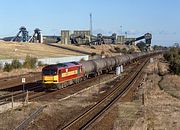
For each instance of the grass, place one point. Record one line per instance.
(20, 50)
(169, 83)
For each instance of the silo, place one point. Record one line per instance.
(65, 36)
(120, 39)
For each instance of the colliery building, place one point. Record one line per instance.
(84, 36)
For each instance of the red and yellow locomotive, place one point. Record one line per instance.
(62, 74)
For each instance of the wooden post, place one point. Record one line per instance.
(27, 96)
(12, 102)
(143, 98)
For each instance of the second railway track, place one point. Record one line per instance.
(87, 118)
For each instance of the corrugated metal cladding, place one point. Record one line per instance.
(51, 60)
(82, 32)
(65, 36)
(63, 59)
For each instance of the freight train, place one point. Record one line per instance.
(63, 74)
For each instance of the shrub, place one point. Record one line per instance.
(124, 50)
(118, 50)
(7, 67)
(92, 47)
(173, 57)
(130, 51)
(111, 50)
(82, 59)
(40, 63)
(1, 66)
(93, 54)
(16, 64)
(30, 62)
(102, 52)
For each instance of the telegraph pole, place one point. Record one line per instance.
(91, 26)
(121, 30)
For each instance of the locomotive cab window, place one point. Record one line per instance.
(49, 72)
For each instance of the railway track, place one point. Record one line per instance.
(20, 95)
(44, 94)
(15, 82)
(73, 89)
(90, 116)
(34, 93)
(70, 88)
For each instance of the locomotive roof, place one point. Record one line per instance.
(62, 65)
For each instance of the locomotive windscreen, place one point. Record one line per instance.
(49, 72)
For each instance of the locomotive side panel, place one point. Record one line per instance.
(66, 74)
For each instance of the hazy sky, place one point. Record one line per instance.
(159, 17)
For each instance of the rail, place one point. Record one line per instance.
(30, 118)
(85, 119)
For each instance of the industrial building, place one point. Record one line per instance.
(121, 39)
(85, 33)
(65, 36)
(81, 36)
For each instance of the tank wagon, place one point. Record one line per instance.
(64, 74)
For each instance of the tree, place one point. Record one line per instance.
(30, 62)
(173, 57)
(16, 64)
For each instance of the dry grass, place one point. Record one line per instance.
(12, 118)
(163, 67)
(171, 84)
(17, 72)
(128, 113)
(107, 48)
(9, 50)
(161, 109)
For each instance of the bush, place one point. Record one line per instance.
(16, 64)
(92, 47)
(124, 50)
(93, 54)
(40, 63)
(1, 66)
(102, 52)
(118, 50)
(173, 57)
(112, 51)
(30, 62)
(7, 67)
(82, 59)
(130, 51)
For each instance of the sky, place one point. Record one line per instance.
(136, 17)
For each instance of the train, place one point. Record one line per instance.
(63, 74)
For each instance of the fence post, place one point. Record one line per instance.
(27, 96)
(12, 102)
